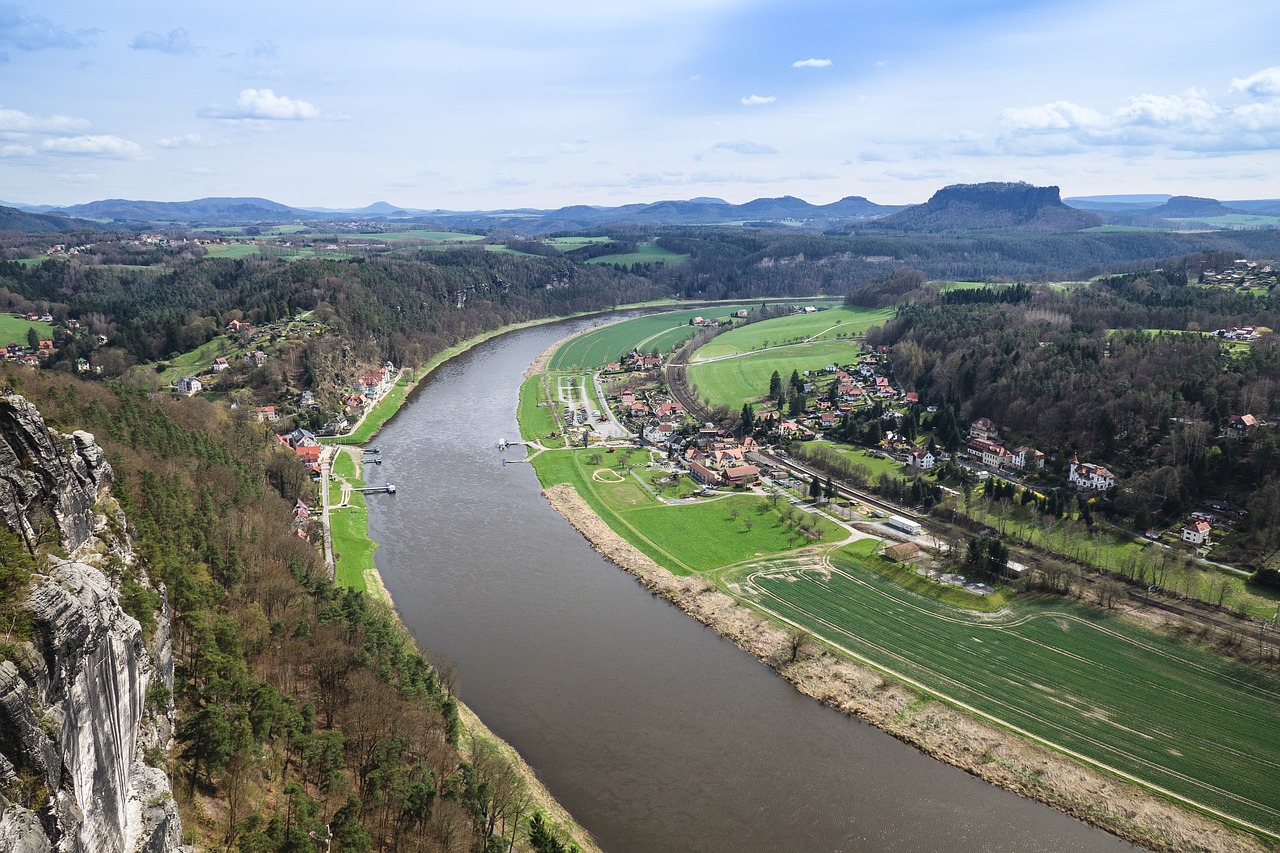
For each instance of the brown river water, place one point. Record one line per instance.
(656, 733)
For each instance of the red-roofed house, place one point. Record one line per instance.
(1197, 532)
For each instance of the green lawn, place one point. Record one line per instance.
(14, 329)
(683, 539)
(646, 253)
(733, 381)
(349, 526)
(830, 324)
(593, 350)
(1194, 723)
(536, 421)
(876, 464)
(200, 359)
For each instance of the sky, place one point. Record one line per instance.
(496, 104)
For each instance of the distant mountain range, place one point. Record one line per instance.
(961, 207)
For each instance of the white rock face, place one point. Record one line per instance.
(73, 717)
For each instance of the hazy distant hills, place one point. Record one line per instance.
(205, 210)
(991, 206)
(12, 219)
(956, 208)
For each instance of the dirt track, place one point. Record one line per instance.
(984, 750)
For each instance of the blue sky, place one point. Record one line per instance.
(515, 104)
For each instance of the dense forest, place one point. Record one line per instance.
(302, 705)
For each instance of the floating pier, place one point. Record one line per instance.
(390, 489)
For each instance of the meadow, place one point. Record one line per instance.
(731, 381)
(232, 250)
(199, 360)
(593, 350)
(646, 253)
(831, 324)
(685, 539)
(349, 528)
(14, 329)
(1081, 680)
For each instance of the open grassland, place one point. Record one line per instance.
(646, 253)
(876, 464)
(568, 244)
(1237, 220)
(232, 250)
(14, 329)
(1178, 719)
(536, 421)
(731, 381)
(832, 324)
(199, 360)
(349, 527)
(684, 539)
(593, 350)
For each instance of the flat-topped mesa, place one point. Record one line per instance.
(74, 716)
(990, 206)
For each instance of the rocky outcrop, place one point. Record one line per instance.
(48, 482)
(992, 206)
(75, 720)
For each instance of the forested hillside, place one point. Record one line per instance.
(302, 706)
(1125, 372)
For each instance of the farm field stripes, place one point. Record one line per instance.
(1127, 699)
(730, 381)
(595, 349)
(820, 325)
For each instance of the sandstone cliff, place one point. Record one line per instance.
(78, 704)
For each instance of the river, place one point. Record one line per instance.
(656, 733)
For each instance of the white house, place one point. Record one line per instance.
(1027, 457)
(984, 429)
(1197, 532)
(919, 457)
(220, 364)
(189, 385)
(1087, 477)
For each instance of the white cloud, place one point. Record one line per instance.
(16, 121)
(755, 100)
(187, 140)
(77, 177)
(35, 32)
(1170, 110)
(811, 63)
(745, 146)
(177, 42)
(93, 146)
(16, 151)
(265, 105)
(1059, 115)
(1265, 82)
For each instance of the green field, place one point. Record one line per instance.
(14, 330)
(232, 250)
(594, 349)
(1198, 726)
(731, 381)
(199, 360)
(828, 325)
(646, 253)
(568, 244)
(349, 526)
(684, 539)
